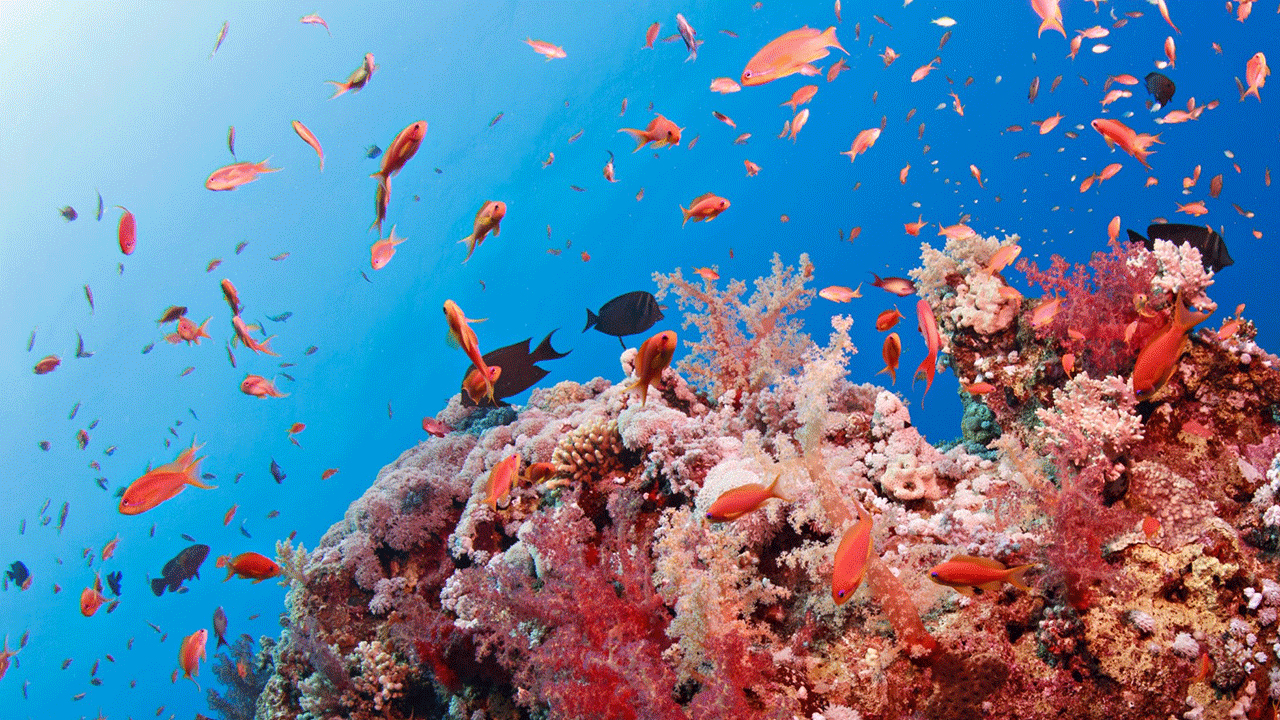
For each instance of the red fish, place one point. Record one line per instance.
(901, 287)
(260, 387)
(191, 652)
(928, 326)
(488, 219)
(164, 482)
(853, 554)
(1158, 359)
(232, 176)
(92, 598)
(382, 250)
(47, 364)
(249, 565)
(660, 131)
(654, 356)
(546, 49)
(501, 478)
(1117, 133)
(435, 427)
(461, 335)
(5, 654)
(705, 207)
(357, 79)
(402, 148)
(733, 504)
(965, 572)
(309, 138)
(242, 332)
(789, 53)
(887, 319)
(891, 351)
(231, 512)
(110, 548)
(127, 232)
(651, 34)
(188, 331)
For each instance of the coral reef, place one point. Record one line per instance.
(605, 592)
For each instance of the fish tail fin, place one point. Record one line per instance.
(1051, 23)
(592, 319)
(545, 351)
(1014, 577)
(158, 586)
(687, 215)
(829, 39)
(470, 242)
(342, 87)
(1251, 91)
(638, 135)
(221, 641)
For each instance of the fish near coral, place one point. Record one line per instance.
(736, 502)
(928, 326)
(230, 177)
(220, 625)
(519, 369)
(191, 652)
(501, 478)
(891, 351)
(853, 554)
(705, 207)
(473, 385)
(188, 331)
(488, 219)
(249, 565)
(627, 314)
(790, 53)
(1157, 360)
(164, 482)
(660, 131)
(357, 79)
(461, 335)
(901, 287)
(654, 356)
(260, 387)
(965, 572)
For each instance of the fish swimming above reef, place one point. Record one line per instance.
(519, 369)
(1213, 249)
(627, 314)
(1161, 88)
(19, 574)
(184, 566)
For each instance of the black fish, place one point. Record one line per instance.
(184, 566)
(45, 445)
(220, 626)
(187, 537)
(244, 532)
(1161, 88)
(519, 369)
(281, 317)
(1213, 249)
(80, 351)
(68, 213)
(113, 582)
(626, 314)
(277, 472)
(372, 152)
(310, 350)
(18, 573)
(193, 413)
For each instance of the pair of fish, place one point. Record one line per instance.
(519, 371)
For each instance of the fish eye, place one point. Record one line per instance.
(933, 574)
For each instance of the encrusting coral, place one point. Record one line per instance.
(606, 592)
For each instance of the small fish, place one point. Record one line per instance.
(575, 188)
(240, 246)
(244, 531)
(311, 19)
(839, 293)
(68, 213)
(147, 348)
(277, 472)
(608, 168)
(372, 152)
(495, 119)
(127, 232)
(281, 317)
(574, 137)
(356, 80)
(231, 355)
(389, 414)
(100, 208)
(280, 257)
(45, 445)
(328, 473)
(230, 177)
(689, 35)
(309, 138)
(231, 141)
(31, 341)
(187, 371)
(62, 516)
(546, 49)
(966, 572)
(213, 264)
(222, 35)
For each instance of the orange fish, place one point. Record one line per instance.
(314, 19)
(1113, 228)
(381, 199)
(309, 138)
(902, 178)
(1050, 16)
(1045, 312)
(1002, 258)
(887, 319)
(1196, 208)
(976, 173)
(5, 654)
(383, 249)
(435, 427)
(851, 558)
(47, 364)
(981, 388)
(234, 175)
(923, 71)
(660, 131)
(752, 168)
(357, 79)
(1170, 51)
(839, 293)
(653, 357)
(551, 52)
(834, 71)
(231, 512)
(891, 351)
(92, 598)
(704, 207)
(896, 285)
(328, 473)
(798, 122)
(110, 548)
(232, 295)
(127, 232)
(249, 565)
(801, 96)
(1255, 73)
(461, 335)
(724, 85)
(862, 142)
(260, 387)
(1117, 133)
(188, 331)
(164, 482)
(651, 34)
(736, 502)
(191, 652)
(488, 218)
(537, 472)
(792, 52)
(707, 273)
(474, 386)
(501, 478)
(913, 228)
(242, 332)
(402, 148)
(928, 327)
(965, 572)
(1158, 359)
(888, 56)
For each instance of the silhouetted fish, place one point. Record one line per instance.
(625, 315)
(372, 152)
(99, 206)
(281, 317)
(184, 566)
(277, 472)
(18, 573)
(519, 369)
(68, 213)
(1161, 88)
(113, 582)
(220, 626)
(1213, 249)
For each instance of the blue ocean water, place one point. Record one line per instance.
(125, 100)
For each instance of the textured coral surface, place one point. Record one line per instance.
(605, 592)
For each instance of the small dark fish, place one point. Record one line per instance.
(220, 626)
(182, 567)
(281, 317)
(240, 246)
(22, 527)
(1215, 186)
(45, 506)
(102, 482)
(154, 626)
(372, 152)
(1034, 90)
(519, 368)
(80, 351)
(94, 424)
(575, 188)
(171, 313)
(625, 315)
(173, 432)
(231, 141)
(730, 33)
(244, 532)
(1054, 85)
(187, 537)
(31, 341)
(62, 516)
(280, 257)
(222, 35)
(230, 355)
(153, 528)
(208, 476)
(438, 171)
(689, 35)
(238, 476)
(111, 450)
(1161, 88)
(213, 265)
(99, 205)
(1213, 249)
(119, 268)
(113, 582)
(366, 277)
(18, 573)
(273, 514)
(277, 472)
(74, 409)
(97, 682)
(147, 348)
(943, 42)
(187, 371)
(45, 445)
(82, 438)
(66, 663)
(25, 684)
(311, 350)
(574, 137)
(68, 213)
(288, 377)
(94, 670)
(193, 414)
(883, 21)
(495, 119)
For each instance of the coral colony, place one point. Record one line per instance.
(598, 587)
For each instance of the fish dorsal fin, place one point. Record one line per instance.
(702, 197)
(985, 562)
